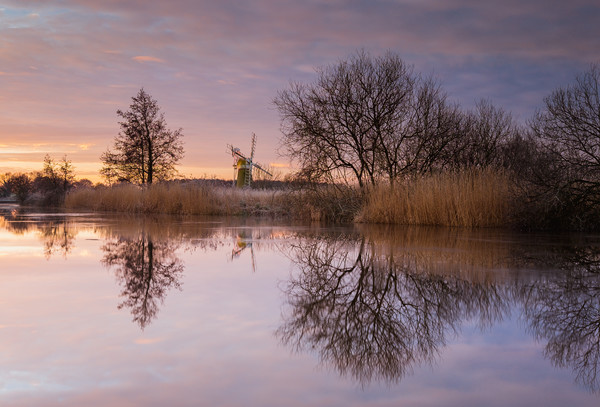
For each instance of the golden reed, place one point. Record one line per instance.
(469, 198)
(178, 199)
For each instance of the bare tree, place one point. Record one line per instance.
(54, 181)
(568, 127)
(332, 127)
(434, 127)
(566, 171)
(145, 149)
(56, 176)
(488, 134)
(365, 119)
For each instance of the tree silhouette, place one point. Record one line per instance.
(365, 119)
(145, 149)
(567, 171)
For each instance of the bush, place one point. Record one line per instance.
(21, 186)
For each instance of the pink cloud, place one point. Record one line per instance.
(146, 58)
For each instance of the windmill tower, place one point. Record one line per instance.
(243, 166)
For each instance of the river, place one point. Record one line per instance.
(99, 309)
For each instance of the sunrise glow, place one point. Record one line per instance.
(66, 67)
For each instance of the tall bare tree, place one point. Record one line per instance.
(366, 119)
(568, 131)
(55, 180)
(145, 150)
(56, 176)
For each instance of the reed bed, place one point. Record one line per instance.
(470, 198)
(180, 199)
(473, 198)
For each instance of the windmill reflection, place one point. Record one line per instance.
(146, 269)
(244, 241)
(375, 316)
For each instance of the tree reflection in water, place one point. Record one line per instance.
(375, 315)
(375, 307)
(374, 303)
(146, 269)
(565, 313)
(58, 234)
(58, 237)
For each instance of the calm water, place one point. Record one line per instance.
(123, 311)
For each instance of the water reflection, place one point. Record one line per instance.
(58, 238)
(56, 232)
(373, 302)
(564, 312)
(374, 312)
(142, 251)
(147, 269)
(376, 304)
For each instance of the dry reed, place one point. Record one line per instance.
(470, 198)
(179, 199)
(473, 198)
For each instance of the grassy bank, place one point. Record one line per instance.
(467, 199)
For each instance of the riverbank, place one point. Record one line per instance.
(464, 199)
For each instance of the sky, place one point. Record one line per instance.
(215, 67)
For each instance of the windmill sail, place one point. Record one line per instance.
(244, 166)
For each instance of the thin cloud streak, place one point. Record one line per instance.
(146, 58)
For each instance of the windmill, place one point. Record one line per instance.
(243, 166)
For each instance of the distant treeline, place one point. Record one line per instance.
(47, 187)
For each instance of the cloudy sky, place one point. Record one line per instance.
(66, 66)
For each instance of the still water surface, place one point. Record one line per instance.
(100, 310)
